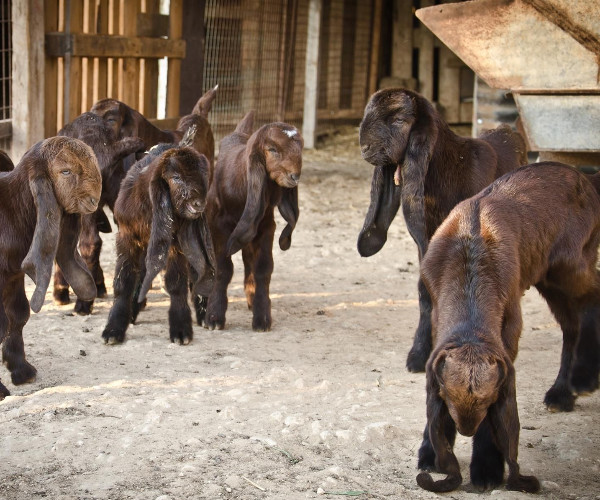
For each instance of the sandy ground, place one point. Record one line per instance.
(320, 407)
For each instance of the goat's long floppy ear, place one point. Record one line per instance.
(196, 244)
(247, 226)
(289, 210)
(71, 264)
(39, 260)
(385, 202)
(419, 152)
(161, 232)
(125, 147)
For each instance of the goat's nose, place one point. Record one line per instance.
(93, 201)
(365, 148)
(295, 177)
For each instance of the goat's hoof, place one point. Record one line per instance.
(23, 373)
(261, 324)
(113, 337)
(3, 391)
(84, 307)
(559, 400)
(101, 290)
(487, 472)
(61, 296)
(416, 360)
(182, 336)
(200, 308)
(528, 484)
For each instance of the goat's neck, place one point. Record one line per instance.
(150, 134)
(16, 183)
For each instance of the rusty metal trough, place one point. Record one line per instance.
(546, 52)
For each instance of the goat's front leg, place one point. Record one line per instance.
(217, 302)
(90, 245)
(248, 256)
(586, 369)
(445, 460)
(421, 348)
(16, 311)
(176, 283)
(262, 269)
(504, 420)
(125, 282)
(60, 290)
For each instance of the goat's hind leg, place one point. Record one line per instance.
(487, 461)
(176, 283)
(60, 291)
(90, 245)
(249, 283)
(262, 270)
(586, 369)
(16, 313)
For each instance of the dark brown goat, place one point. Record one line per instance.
(538, 226)
(125, 122)
(255, 172)
(110, 152)
(41, 200)
(422, 164)
(160, 213)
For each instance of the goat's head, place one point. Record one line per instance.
(65, 181)
(118, 116)
(104, 140)
(470, 379)
(277, 149)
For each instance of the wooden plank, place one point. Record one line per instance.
(174, 65)
(250, 48)
(309, 124)
(80, 45)
(131, 66)
(402, 43)
(192, 66)
(101, 70)
(51, 73)
(72, 64)
(360, 81)
(152, 24)
(28, 76)
(148, 99)
(87, 63)
(375, 47)
(449, 89)
(426, 50)
(334, 54)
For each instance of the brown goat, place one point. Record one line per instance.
(160, 213)
(110, 152)
(40, 202)
(538, 226)
(254, 173)
(120, 123)
(422, 164)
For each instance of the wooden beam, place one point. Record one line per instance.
(309, 124)
(192, 67)
(82, 45)
(174, 65)
(27, 75)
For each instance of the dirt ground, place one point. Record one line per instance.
(322, 406)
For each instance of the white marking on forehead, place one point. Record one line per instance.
(290, 133)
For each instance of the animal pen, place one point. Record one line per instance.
(160, 57)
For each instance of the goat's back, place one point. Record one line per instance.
(509, 146)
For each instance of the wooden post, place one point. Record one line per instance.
(426, 48)
(311, 74)
(402, 39)
(174, 71)
(51, 73)
(192, 67)
(131, 66)
(375, 47)
(28, 75)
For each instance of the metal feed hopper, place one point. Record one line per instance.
(547, 53)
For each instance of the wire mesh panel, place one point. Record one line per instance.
(5, 73)
(256, 49)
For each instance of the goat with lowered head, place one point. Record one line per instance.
(421, 164)
(41, 200)
(255, 173)
(110, 152)
(538, 226)
(160, 213)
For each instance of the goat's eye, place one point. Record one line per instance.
(398, 121)
(272, 150)
(66, 172)
(176, 178)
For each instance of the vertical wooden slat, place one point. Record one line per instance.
(426, 48)
(149, 102)
(101, 67)
(402, 31)
(449, 89)
(334, 71)
(192, 67)
(249, 56)
(112, 73)
(364, 11)
(375, 47)
(131, 66)
(87, 63)
(51, 72)
(174, 68)
(73, 76)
